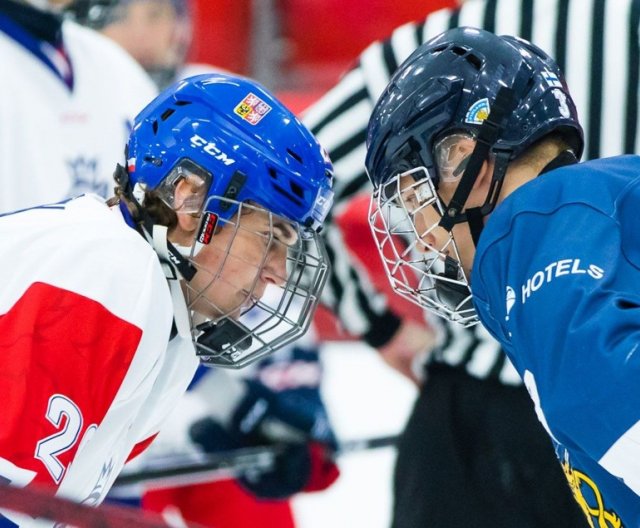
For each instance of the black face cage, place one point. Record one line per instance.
(273, 319)
(427, 275)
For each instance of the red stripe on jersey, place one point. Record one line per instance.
(57, 342)
(140, 447)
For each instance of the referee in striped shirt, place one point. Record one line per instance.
(472, 454)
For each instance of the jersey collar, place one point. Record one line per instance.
(40, 33)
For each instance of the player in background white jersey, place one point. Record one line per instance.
(156, 33)
(221, 199)
(66, 108)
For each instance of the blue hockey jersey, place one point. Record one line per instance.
(556, 280)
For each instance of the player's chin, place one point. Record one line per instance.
(242, 303)
(234, 311)
(209, 309)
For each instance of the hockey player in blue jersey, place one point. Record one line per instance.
(473, 152)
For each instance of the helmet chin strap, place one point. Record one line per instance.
(488, 134)
(475, 215)
(180, 310)
(219, 336)
(452, 293)
(505, 103)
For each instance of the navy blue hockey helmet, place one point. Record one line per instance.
(244, 158)
(462, 98)
(451, 84)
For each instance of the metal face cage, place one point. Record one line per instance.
(420, 258)
(258, 283)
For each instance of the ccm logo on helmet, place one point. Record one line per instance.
(211, 149)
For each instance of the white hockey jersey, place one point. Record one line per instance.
(58, 141)
(86, 376)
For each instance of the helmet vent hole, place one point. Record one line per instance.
(296, 189)
(167, 114)
(154, 126)
(182, 103)
(474, 60)
(288, 195)
(294, 155)
(273, 173)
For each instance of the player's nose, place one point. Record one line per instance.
(275, 268)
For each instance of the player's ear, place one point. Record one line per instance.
(188, 222)
(485, 174)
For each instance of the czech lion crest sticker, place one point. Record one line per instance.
(252, 109)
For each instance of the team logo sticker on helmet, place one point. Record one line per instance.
(252, 109)
(478, 112)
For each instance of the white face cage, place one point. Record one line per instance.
(263, 288)
(420, 258)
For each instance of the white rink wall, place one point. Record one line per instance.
(365, 398)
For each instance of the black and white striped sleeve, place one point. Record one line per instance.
(339, 120)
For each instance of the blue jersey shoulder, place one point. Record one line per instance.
(553, 280)
(555, 226)
(557, 280)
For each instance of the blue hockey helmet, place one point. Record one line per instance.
(460, 99)
(247, 145)
(244, 156)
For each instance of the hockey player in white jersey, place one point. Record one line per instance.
(222, 197)
(157, 34)
(68, 99)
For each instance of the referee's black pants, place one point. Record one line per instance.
(473, 455)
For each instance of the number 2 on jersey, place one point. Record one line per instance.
(49, 448)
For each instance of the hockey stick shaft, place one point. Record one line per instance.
(182, 471)
(42, 504)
